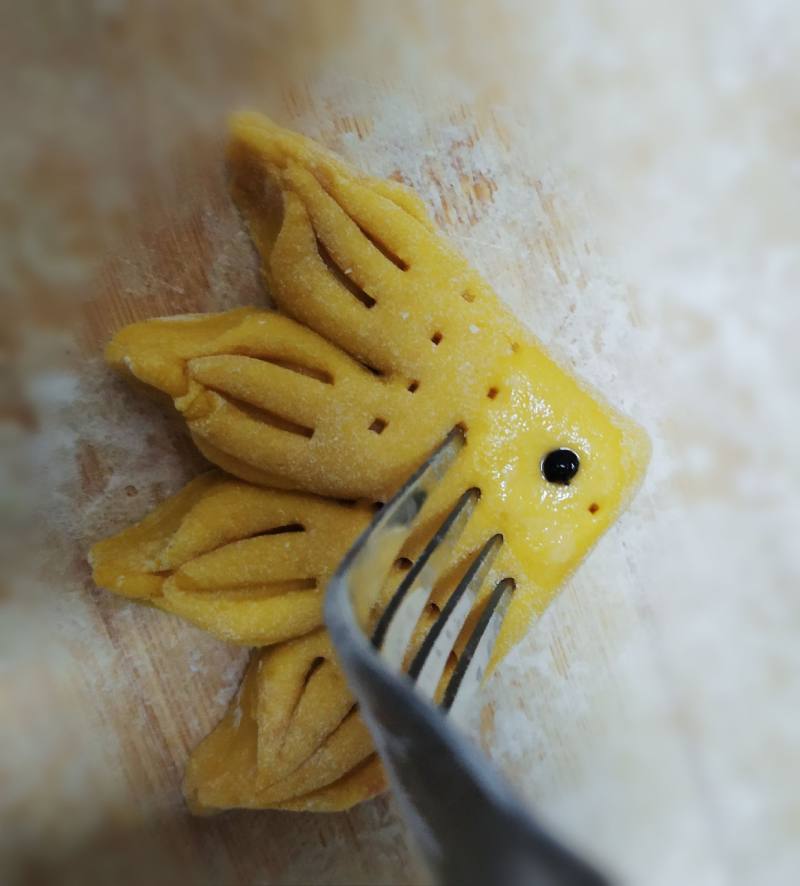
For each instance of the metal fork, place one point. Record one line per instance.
(467, 822)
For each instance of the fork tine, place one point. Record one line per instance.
(396, 625)
(473, 661)
(429, 663)
(389, 530)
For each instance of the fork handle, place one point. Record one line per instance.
(466, 820)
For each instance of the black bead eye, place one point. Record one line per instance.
(560, 466)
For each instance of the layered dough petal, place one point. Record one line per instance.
(292, 738)
(246, 563)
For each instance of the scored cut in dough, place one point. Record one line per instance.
(386, 340)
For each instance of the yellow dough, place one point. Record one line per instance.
(292, 738)
(386, 340)
(248, 564)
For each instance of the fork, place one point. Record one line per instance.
(467, 822)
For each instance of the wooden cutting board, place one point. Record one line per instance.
(557, 158)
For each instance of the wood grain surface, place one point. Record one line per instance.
(626, 176)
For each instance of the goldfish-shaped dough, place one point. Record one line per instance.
(386, 340)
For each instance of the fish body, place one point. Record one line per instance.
(383, 339)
